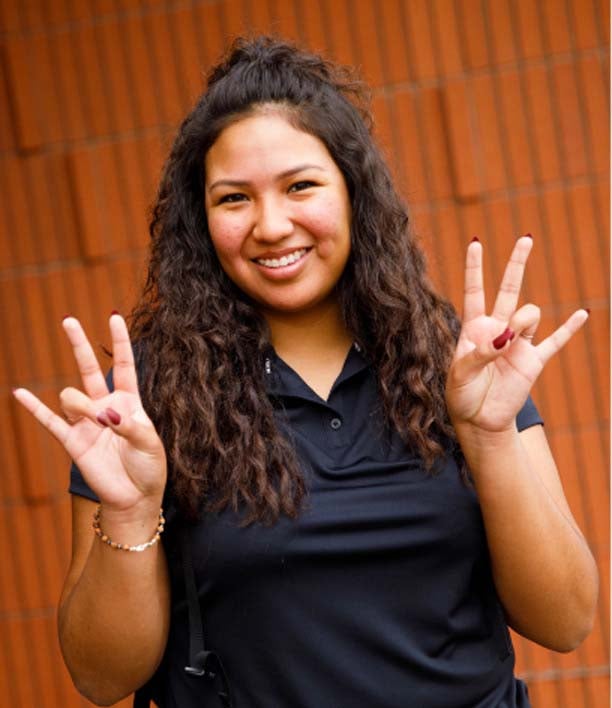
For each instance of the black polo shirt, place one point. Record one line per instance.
(379, 595)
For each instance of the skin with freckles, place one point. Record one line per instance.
(274, 191)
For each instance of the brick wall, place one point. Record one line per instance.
(494, 115)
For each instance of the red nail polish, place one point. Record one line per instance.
(529, 236)
(588, 310)
(114, 312)
(102, 419)
(475, 240)
(113, 416)
(65, 316)
(506, 336)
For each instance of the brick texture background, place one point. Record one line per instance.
(494, 115)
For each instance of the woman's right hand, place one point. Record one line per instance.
(107, 434)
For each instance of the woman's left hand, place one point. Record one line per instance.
(496, 362)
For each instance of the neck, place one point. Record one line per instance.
(320, 331)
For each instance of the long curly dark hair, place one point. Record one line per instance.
(204, 342)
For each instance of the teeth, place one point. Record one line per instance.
(283, 261)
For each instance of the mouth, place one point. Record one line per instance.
(284, 260)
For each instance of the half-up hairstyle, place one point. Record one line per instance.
(204, 342)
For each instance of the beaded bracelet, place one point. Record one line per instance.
(124, 546)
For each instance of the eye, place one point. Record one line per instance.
(301, 185)
(231, 198)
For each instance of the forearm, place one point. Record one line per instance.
(544, 572)
(113, 622)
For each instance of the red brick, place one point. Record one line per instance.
(337, 16)
(20, 642)
(592, 262)
(115, 78)
(188, 57)
(92, 80)
(8, 129)
(367, 41)
(312, 26)
(10, 588)
(420, 38)
(137, 198)
(95, 176)
(580, 381)
(450, 252)
(542, 123)
(58, 13)
(435, 151)
(560, 254)
(593, 84)
(167, 80)
(490, 154)
(66, 72)
(600, 691)
(17, 346)
(474, 33)
(459, 120)
(59, 301)
(569, 113)
(394, 49)
(209, 36)
(597, 489)
(285, 20)
(138, 40)
(10, 15)
(16, 233)
(445, 22)
(383, 132)
(583, 22)
(233, 18)
(516, 133)
(603, 10)
(498, 244)
(103, 293)
(411, 155)
(529, 30)
(537, 286)
(36, 321)
(599, 338)
(501, 34)
(259, 17)
(550, 390)
(10, 485)
(556, 26)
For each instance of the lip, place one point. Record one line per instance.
(282, 272)
(280, 254)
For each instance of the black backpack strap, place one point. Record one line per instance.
(201, 662)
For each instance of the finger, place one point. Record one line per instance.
(560, 337)
(136, 428)
(525, 321)
(474, 296)
(510, 288)
(75, 405)
(58, 427)
(89, 368)
(124, 370)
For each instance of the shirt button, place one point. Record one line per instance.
(335, 423)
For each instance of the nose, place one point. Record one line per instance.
(273, 221)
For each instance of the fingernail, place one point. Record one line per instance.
(113, 416)
(587, 310)
(506, 336)
(102, 418)
(114, 312)
(65, 316)
(475, 240)
(528, 236)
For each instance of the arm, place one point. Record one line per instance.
(543, 570)
(114, 609)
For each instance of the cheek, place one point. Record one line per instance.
(330, 224)
(226, 237)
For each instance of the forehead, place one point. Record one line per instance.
(266, 140)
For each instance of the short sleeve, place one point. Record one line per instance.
(528, 416)
(78, 485)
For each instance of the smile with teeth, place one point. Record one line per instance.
(283, 260)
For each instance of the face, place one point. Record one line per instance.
(278, 213)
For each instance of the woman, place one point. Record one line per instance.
(364, 515)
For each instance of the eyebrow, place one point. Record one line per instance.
(282, 175)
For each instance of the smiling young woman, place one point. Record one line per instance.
(363, 483)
